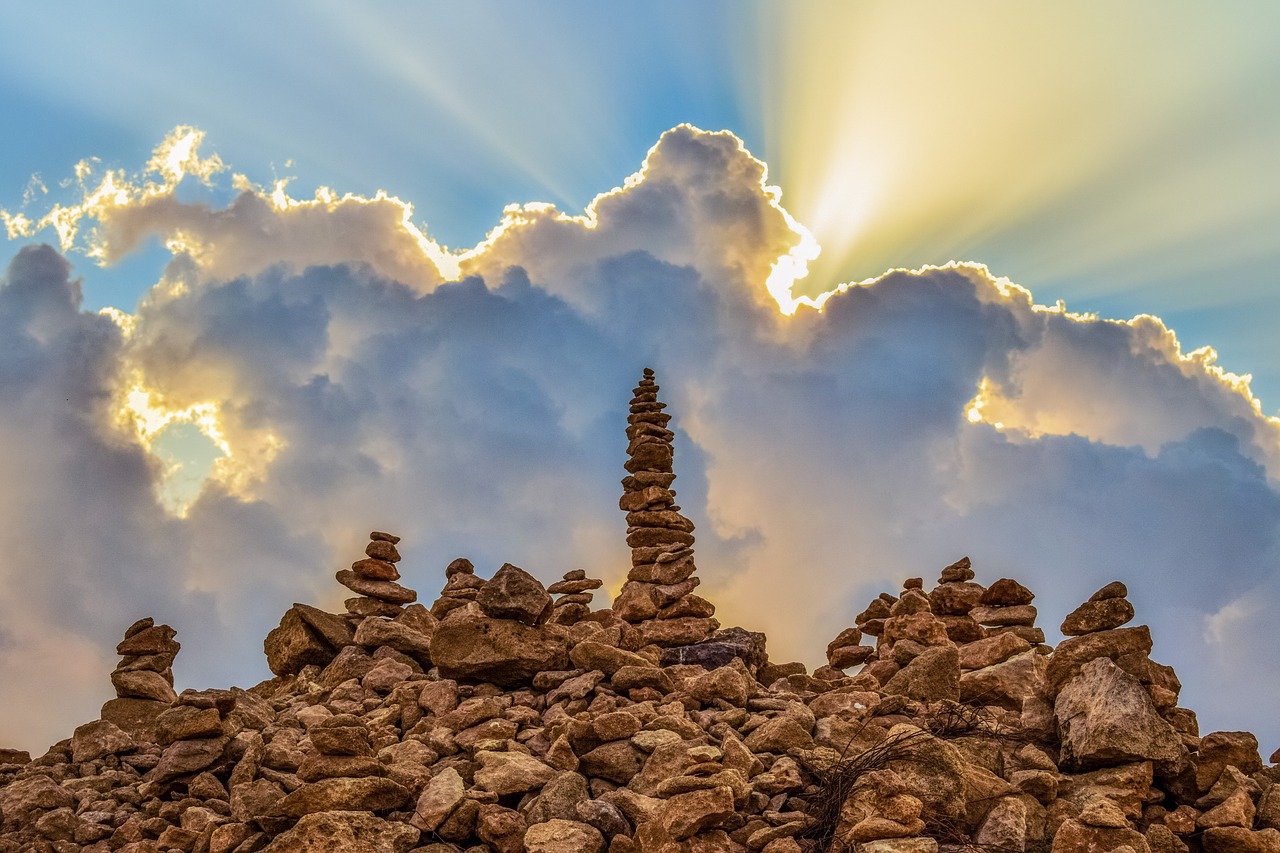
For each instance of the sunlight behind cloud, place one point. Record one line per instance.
(910, 134)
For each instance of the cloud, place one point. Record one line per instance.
(917, 417)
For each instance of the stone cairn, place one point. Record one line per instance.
(657, 598)
(573, 602)
(461, 586)
(145, 670)
(374, 579)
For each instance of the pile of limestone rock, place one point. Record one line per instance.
(502, 719)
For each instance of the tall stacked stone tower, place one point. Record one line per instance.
(658, 598)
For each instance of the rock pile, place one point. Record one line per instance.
(502, 720)
(657, 598)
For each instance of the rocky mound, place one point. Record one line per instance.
(511, 717)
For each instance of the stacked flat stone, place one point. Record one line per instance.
(1006, 608)
(461, 586)
(1106, 609)
(574, 601)
(954, 599)
(844, 651)
(145, 670)
(374, 578)
(657, 597)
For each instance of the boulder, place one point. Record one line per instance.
(1105, 718)
(513, 593)
(503, 651)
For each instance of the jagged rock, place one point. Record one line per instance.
(337, 831)
(1105, 718)
(1100, 615)
(99, 739)
(503, 651)
(439, 798)
(1007, 684)
(294, 644)
(187, 756)
(1073, 653)
(720, 649)
(931, 676)
(511, 772)
(513, 593)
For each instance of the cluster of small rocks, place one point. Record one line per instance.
(658, 598)
(503, 720)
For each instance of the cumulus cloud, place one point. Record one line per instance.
(475, 403)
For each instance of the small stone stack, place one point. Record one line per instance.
(657, 598)
(954, 599)
(574, 601)
(144, 678)
(1106, 609)
(342, 773)
(1006, 608)
(871, 620)
(374, 578)
(844, 651)
(146, 667)
(460, 587)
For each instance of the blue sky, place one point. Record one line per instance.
(289, 372)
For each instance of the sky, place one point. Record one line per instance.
(919, 280)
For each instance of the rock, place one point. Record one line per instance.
(503, 651)
(590, 655)
(686, 815)
(368, 794)
(334, 630)
(1007, 592)
(955, 599)
(136, 717)
(338, 831)
(1008, 684)
(143, 684)
(439, 798)
(1073, 653)
(1219, 750)
(1076, 837)
(563, 836)
(1115, 589)
(991, 651)
(1018, 614)
(375, 631)
(511, 772)
(1095, 616)
(1105, 717)
(294, 644)
(184, 722)
(187, 756)
(382, 590)
(99, 739)
(1234, 839)
(513, 593)
(719, 649)
(931, 676)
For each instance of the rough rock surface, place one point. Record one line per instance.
(512, 718)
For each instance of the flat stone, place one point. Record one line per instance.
(720, 649)
(1115, 589)
(1093, 616)
(143, 684)
(380, 549)
(511, 772)
(185, 757)
(563, 836)
(590, 655)
(1017, 614)
(183, 722)
(152, 640)
(1073, 653)
(383, 590)
(1007, 592)
(363, 606)
(686, 815)
(368, 794)
(99, 739)
(374, 569)
(374, 631)
(335, 831)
